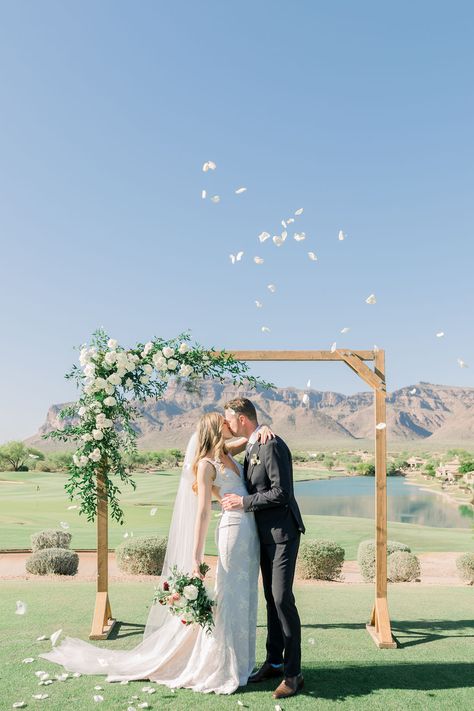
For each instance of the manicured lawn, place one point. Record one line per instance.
(24, 509)
(433, 668)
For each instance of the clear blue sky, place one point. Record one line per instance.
(360, 112)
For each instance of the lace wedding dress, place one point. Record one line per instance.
(186, 656)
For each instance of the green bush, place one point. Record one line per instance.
(465, 566)
(141, 556)
(366, 556)
(53, 561)
(402, 567)
(320, 560)
(50, 538)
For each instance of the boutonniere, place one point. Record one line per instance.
(254, 460)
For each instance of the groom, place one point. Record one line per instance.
(268, 475)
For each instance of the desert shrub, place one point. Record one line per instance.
(50, 538)
(141, 556)
(465, 566)
(45, 466)
(57, 561)
(366, 556)
(320, 560)
(402, 567)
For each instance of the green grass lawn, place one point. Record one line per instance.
(432, 669)
(25, 510)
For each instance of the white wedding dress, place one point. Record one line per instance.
(186, 656)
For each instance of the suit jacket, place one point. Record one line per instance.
(268, 474)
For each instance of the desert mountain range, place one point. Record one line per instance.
(432, 415)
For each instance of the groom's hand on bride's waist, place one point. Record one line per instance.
(232, 502)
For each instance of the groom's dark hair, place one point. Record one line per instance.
(242, 406)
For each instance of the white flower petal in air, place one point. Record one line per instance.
(28, 660)
(215, 199)
(64, 525)
(283, 224)
(299, 211)
(413, 391)
(462, 363)
(341, 236)
(21, 608)
(264, 236)
(311, 640)
(308, 384)
(312, 256)
(236, 257)
(203, 194)
(299, 236)
(209, 165)
(40, 639)
(284, 235)
(272, 288)
(98, 698)
(258, 304)
(345, 329)
(440, 334)
(239, 191)
(371, 299)
(74, 506)
(305, 399)
(125, 535)
(381, 426)
(376, 348)
(258, 260)
(278, 240)
(265, 329)
(54, 637)
(333, 347)
(290, 220)
(153, 511)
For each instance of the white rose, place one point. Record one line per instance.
(121, 372)
(112, 344)
(100, 384)
(83, 461)
(134, 357)
(87, 437)
(82, 411)
(148, 369)
(109, 389)
(110, 401)
(114, 379)
(106, 423)
(144, 379)
(190, 592)
(148, 347)
(75, 459)
(89, 370)
(84, 356)
(159, 361)
(110, 357)
(185, 370)
(88, 389)
(95, 455)
(183, 348)
(168, 352)
(129, 383)
(98, 434)
(172, 364)
(97, 406)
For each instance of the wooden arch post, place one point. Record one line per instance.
(379, 626)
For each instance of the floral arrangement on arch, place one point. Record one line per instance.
(111, 380)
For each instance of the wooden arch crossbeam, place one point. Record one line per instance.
(379, 626)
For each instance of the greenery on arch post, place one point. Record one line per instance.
(110, 379)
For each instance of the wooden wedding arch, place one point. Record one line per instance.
(379, 626)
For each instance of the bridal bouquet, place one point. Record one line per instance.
(187, 598)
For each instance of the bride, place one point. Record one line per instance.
(171, 653)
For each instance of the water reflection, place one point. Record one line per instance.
(354, 496)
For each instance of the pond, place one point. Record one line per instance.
(354, 496)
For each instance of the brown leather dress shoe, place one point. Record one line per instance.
(266, 671)
(289, 687)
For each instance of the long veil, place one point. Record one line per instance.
(164, 634)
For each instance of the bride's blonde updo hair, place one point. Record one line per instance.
(209, 433)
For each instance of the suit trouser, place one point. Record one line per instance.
(278, 562)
